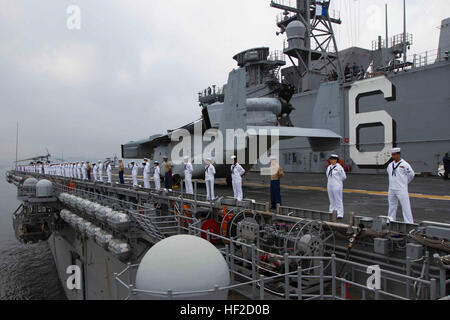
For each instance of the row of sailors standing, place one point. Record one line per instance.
(77, 170)
(156, 173)
(236, 174)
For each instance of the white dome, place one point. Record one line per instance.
(295, 29)
(44, 189)
(183, 263)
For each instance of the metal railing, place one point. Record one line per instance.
(331, 285)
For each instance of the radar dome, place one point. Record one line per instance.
(295, 29)
(295, 32)
(29, 186)
(183, 263)
(44, 189)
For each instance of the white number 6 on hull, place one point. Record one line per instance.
(357, 121)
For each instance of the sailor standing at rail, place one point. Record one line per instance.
(146, 165)
(94, 170)
(71, 170)
(100, 170)
(336, 176)
(73, 174)
(188, 169)
(400, 175)
(84, 170)
(236, 177)
(108, 171)
(78, 170)
(157, 175)
(210, 171)
(134, 173)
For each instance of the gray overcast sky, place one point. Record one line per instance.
(135, 67)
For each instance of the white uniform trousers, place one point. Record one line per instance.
(394, 196)
(336, 203)
(135, 180)
(109, 177)
(209, 189)
(157, 181)
(237, 189)
(188, 185)
(146, 181)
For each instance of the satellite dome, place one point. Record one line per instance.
(295, 29)
(44, 189)
(30, 182)
(183, 263)
(29, 186)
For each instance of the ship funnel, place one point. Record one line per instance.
(295, 32)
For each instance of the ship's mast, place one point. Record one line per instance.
(316, 53)
(17, 144)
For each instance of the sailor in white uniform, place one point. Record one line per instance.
(210, 172)
(94, 170)
(336, 177)
(79, 170)
(157, 175)
(188, 169)
(100, 171)
(400, 175)
(108, 172)
(236, 178)
(84, 170)
(147, 170)
(134, 173)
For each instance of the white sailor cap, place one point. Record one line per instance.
(208, 159)
(186, 158)
(233, 157)
(156, 162)
(145, 159)
(396, 150)
(334, 156)
(273, 158)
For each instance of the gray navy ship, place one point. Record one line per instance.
(373, 99)
(110, 241)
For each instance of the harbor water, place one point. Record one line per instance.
(27, 272)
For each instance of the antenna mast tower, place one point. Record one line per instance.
(314, 49)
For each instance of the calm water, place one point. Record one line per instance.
(26, 271)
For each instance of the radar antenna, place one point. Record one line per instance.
(313, 52)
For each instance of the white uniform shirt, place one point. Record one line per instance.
(134, 170)
(236, 172)
(400, 175)
(210, 171)
(188, 169)
(147, 169)
(108, 169)
(156, 173)
(336, 175)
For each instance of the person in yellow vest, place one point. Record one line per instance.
(276, 173)
(121, 171)
(167, 173)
